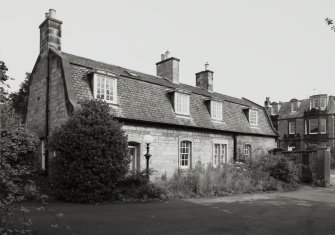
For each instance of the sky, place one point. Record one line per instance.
(257, 48)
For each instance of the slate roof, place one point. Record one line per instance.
(285, 109)
(146, 98)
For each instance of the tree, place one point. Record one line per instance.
(19, 99)
(91, 155)
(330, 22)
(3, 79)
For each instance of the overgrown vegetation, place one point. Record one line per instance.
(265, 173)
(91, 156)
(17, 158)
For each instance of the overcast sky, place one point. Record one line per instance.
(282, 49)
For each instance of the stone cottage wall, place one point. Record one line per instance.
(165, 146)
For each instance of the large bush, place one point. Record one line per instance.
(17, 159)
(91, 155)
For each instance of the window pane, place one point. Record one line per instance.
(323, 103)
(216, 110)
(253, 117)
(313, 126)
(182, 103)
(323, 125)
(291, 127)
(185, 153)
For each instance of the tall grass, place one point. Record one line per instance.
(266, 173)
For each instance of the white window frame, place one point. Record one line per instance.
(246, 151)
(325, 125)
(309, 126)
(316, 105)
(113, 81)
(294, 106)
(221, 156)
(253, 122)
(323, 100)
(216, 110)
(182, 103)
(187, 151)
(290, 131)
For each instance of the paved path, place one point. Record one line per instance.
(306, 211)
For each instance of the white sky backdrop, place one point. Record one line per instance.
(282, 49)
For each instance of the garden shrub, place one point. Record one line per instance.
(91, 155)
(136, 186)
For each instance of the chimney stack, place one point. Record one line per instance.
(204, 79)
(50, 32)
(168, 67)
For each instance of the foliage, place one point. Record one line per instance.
(136, 186)
(17, 157)
(19, 99)
(264, 173)
(330, 22)
(3, 79)
(91, 155)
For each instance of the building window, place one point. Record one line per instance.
(319, 103)
(323, 125)
(253, 117)
(247, 151)
(43, 152)
(216, 110)
(185, 150)
(220, 154)
(313, 126)
(105, 88)
(291, 127)
(133, 158)
(294, 106)
(182, 103)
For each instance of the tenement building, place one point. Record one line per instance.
(187, 123)
(306, 122)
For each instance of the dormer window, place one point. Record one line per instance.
(105, 87)
(216, 110)
(294, 105)
(253, 117)
(318, 102)
(182, 103)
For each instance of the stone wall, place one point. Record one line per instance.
(165, 146)
(37, 98)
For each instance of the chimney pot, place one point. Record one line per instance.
(46, 14)
(52, 13)
(206, 66)
(167, 54)
(162, 57)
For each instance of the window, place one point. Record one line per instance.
(216, 110)
(253, 117)
(323, 125)
(319, 103)
(185, 154)
(43, 154)
(291, 127)
(133, 158)
(323, 103)
(313, 126)
(294, 106)
(220, 154)
(306, 131)
(247, 151)
(182, 103)
(105, 88)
